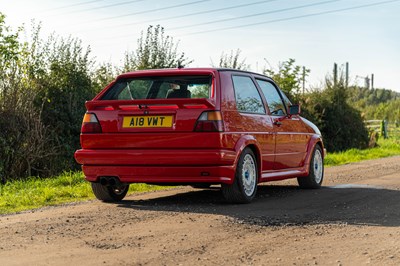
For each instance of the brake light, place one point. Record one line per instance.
(209, 122)
(90, 124)
(212, 88)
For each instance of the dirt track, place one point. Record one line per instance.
(353, 220)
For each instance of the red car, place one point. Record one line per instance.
(196, 127)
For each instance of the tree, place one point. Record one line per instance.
(232, 60)
(155, 50)
(289, 78)
(103, 75)
(10, 53)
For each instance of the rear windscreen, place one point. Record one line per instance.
(160, 88)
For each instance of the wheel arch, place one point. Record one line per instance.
(314, 141)
(250, 142)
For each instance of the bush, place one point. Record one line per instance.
(65, 86)
(23, 136)
(43, 88)
(341, 125)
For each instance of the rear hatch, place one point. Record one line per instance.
(153, 109)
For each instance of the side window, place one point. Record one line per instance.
(248, 99)
(274, 100)
(286, 100)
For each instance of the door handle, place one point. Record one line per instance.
(277, 123)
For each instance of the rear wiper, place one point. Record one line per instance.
(129, 89)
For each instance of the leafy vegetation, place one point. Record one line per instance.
(376, 103)
(389, 110)
(232, 60)
(290, 78)
(44, 85)
(365, 96)
(23, 135)
(341, 125)
(155, 50)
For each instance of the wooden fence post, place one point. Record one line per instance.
(384, 129)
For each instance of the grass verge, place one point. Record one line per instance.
(35, 193)
(386, 148)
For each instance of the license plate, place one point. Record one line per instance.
(147, 121)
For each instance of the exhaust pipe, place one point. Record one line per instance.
(104, 181)
(109, 181)
(112, 181)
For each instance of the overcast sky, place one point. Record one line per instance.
(316, 33)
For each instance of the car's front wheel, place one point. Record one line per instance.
(244, 187)
(108, 193)
(316, 171)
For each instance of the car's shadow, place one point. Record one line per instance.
(289, 205)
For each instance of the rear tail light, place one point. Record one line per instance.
(90, 124)
(209, 122)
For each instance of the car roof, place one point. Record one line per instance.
(190, 71)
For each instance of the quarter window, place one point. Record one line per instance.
(248, 99)
(274, 100)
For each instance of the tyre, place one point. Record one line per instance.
(316, 171)
(110, 193)
(244, 187)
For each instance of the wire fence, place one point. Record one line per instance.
(383, 128)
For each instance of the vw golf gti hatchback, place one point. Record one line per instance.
(198, 127)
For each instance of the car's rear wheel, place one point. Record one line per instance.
(108, 193)
(316, 171)
(244, 187)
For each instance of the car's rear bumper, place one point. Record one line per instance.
(159, 166)
(162, 174)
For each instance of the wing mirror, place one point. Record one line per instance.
(294, 109)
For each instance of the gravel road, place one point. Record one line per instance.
(353, 220)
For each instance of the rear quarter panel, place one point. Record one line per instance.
(246, 129)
